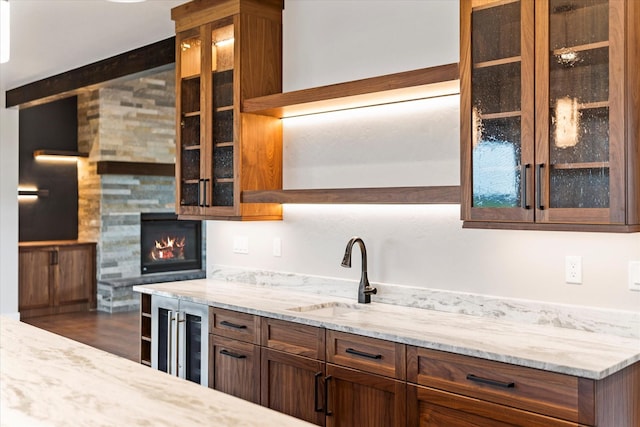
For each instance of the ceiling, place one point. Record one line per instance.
(49, 37)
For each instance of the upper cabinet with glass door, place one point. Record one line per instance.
(550, 110)
(226, 51)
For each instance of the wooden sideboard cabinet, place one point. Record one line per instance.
(56, 277)
(227, 51)
(550, 101)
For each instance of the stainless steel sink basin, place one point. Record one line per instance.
(328, 309)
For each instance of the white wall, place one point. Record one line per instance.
(330, 41)
(8, 208)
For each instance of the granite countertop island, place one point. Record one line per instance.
(49, 380)
(567, 351)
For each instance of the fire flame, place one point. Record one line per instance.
(168, 248)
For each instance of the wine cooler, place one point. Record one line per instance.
(179, 344)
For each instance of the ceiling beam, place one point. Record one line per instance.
(89, 77)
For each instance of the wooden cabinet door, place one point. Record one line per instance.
(497, 110)
(34, 290)
(356, 398)
(235, 368)
(293, 385)
(437, 408)
(75, 274)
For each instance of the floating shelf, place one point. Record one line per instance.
(406, 86)
(107, 167)
(412, 85)
(383, 195)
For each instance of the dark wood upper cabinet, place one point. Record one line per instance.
(227, 51)
(549, 114)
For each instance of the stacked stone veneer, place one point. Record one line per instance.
(132, 121)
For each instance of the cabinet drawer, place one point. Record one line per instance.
(232, 324)
(543, 392)
(294, 338)
(436, 408)
(235, 368)
(367, 354)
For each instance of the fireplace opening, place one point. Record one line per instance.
(167, 244)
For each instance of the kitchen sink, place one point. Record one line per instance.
(328, 309)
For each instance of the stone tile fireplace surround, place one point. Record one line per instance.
(127, 121)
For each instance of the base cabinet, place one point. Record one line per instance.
(356, 398)
(234, 366)
(336, 379)
(437, 408)
(293, 385)
(56, 277)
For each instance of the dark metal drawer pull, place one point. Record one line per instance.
(326, 395)
(363, 354)
(523, 186)
(488, 381)
(234, 355)
(316, 405)
(233, 325)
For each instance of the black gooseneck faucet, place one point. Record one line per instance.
(364, 289)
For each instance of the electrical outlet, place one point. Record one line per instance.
(634, 275)
(573, 270)
(241, 245)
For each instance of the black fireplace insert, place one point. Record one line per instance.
(167, 244)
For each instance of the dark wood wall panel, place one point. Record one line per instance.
(53, 126)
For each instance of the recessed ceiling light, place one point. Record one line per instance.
(126, 1)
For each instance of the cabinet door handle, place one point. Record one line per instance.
(199, 195)
(523, 185)
(326, 395)
(489, 381)
(53, 257)
(539, 204)
(363, 354)
(205, 203)
(234, 355)
(317, 408)
(233, 325)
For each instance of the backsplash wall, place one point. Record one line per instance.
(422, 246)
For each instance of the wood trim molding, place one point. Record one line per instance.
(141, 60)
(107, 167)
(384, 195)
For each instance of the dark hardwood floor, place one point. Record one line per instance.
(117, 333)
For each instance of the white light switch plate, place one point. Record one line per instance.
(634, 275)
(277, 246)
(241, 245)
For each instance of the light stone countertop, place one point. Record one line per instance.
(579, 353)
(49, 380)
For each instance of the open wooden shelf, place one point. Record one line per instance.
(406, 86)
(382, 195)
(424, 83)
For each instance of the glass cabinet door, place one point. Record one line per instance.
(501, 109)
(576, 164)
(223, 117)
(189, 157)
